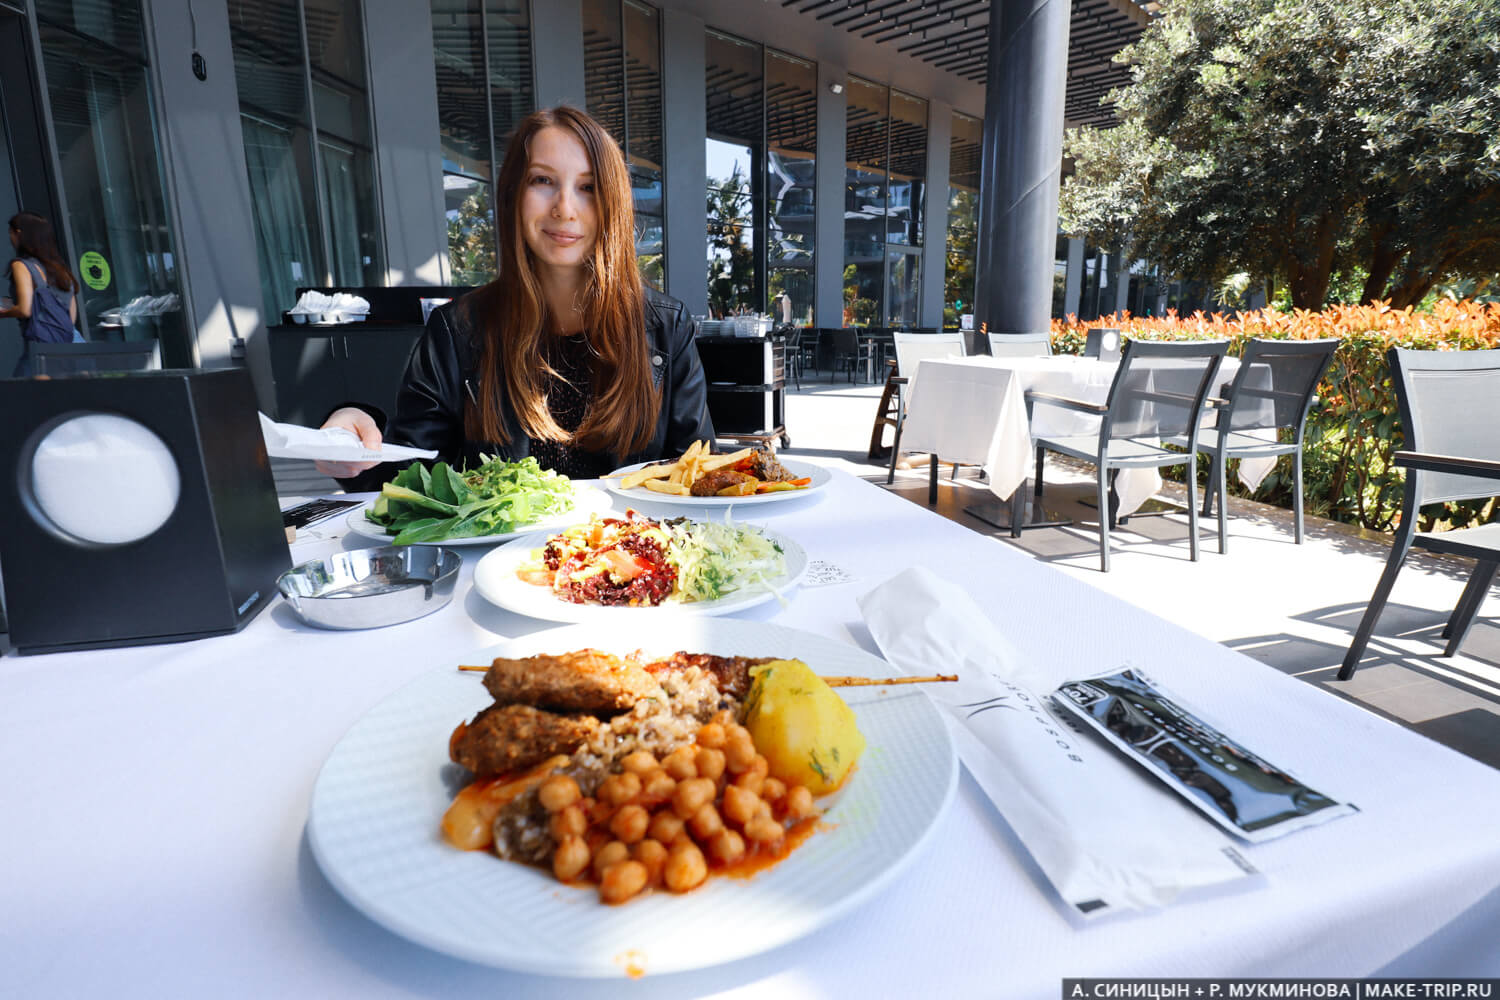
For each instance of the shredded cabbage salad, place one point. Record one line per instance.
(715, 560)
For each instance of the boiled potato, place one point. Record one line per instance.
(805, 731)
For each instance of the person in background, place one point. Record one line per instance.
(566, 356)
(42, 289)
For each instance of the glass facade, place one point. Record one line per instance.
(735, 95)
(482, 61)
(866, 150)
(305, 119)
(791, 180)
(622, 82)
(104, 123)
(961, 244)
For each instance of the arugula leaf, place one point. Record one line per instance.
(429, 505)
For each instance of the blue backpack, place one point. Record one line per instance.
(50, 322)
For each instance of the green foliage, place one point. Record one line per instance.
(962, 249)
(471, 240)
(1304, 143)
(731, 254)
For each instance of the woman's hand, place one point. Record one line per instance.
(351, 418)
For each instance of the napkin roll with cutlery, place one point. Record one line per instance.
(1106, 839)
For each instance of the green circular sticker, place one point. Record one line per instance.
(95, 270)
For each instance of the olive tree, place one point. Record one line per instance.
(1299, 140)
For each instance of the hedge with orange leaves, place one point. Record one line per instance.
(1354, 430)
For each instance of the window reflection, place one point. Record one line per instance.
(117, 207)
(963, 219)
(622, 83)
(736, 140)
(866, 148)
(791, 169)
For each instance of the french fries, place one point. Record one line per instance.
(682, 473)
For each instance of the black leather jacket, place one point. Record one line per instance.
(441, 373)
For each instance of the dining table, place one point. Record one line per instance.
(156, 798)
(973, 411)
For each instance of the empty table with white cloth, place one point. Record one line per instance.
(973, 411)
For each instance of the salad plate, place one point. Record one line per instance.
(496, 580)
(373, 824)
(587, 500)
(818, 474)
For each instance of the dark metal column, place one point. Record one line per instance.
(1022, 163)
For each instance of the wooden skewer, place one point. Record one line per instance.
(841, 681)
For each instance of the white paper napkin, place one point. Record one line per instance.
(1107, 837)
(330, 444)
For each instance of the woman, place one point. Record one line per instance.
(565, 356)
(42, 288)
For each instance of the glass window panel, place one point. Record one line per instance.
(903, 286)
(351, 219)
(604, 65)
(508, 24)
(471, 230)
(791, 168)
(114, 22)
(643, 105)
(107, 147)
(908, 173)
(335, 40)
(866, 144)
(961, 244)
(463, 117)
(735, 77)
(731, 229)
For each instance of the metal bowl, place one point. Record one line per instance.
(371, 588)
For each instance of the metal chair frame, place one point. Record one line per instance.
(1232, 437)
(1136, 451)
(1426, 399)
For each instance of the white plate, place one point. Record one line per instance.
(586, 500)
(819, 475)
(373, 825)
(496, 581)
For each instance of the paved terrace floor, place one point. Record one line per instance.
(1293, 607)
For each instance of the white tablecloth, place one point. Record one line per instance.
(973, 410)
(155, 801)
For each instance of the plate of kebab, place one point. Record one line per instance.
(627, 800)
(702, 479)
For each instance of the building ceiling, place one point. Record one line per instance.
(953, 35)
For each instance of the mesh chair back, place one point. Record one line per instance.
(1159, 389)
(914, 347)
(103, 356)
(1450, 401)
(1020, 345)
(1276, 382)
(1102, 343)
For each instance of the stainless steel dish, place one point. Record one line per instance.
(371, 588)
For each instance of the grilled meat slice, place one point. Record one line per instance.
(585, 680)
(731, 673)
(710, 483)
(763, 463)
(505, 738)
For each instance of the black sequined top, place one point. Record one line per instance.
(568, 397)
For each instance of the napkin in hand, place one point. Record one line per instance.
(1107, 837)
(330, 444)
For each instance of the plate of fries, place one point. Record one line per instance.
(672, 482)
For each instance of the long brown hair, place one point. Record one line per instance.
(512, 311)
(37, 240)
